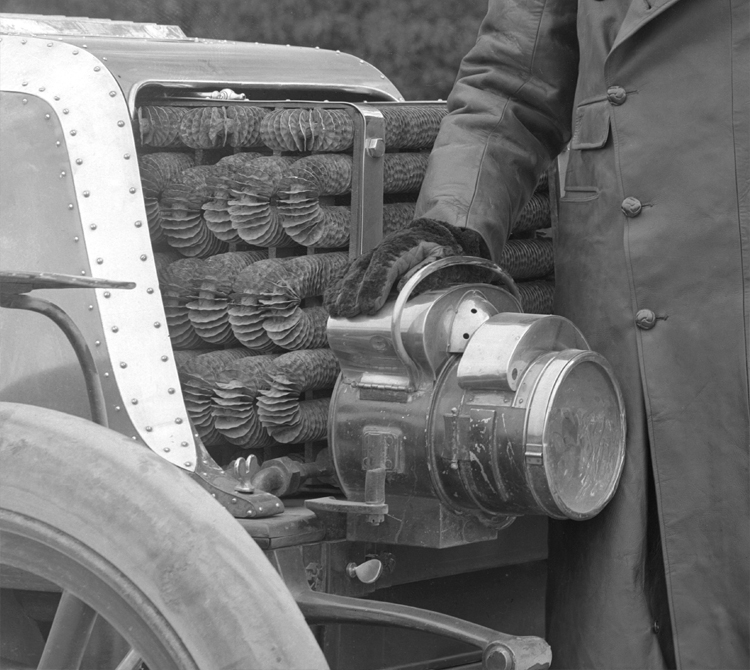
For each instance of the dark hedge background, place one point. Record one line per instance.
(418, 44)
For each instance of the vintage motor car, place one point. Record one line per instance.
(200, 469)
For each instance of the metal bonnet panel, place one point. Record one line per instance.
(93, 116)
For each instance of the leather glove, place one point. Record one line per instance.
(366, 283)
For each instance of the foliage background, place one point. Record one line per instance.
(418, 44)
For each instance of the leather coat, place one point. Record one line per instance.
(653, 264)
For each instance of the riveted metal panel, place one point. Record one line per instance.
(106, 194)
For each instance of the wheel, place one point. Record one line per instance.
(131, 539)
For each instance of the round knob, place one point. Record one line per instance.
(631, 207)
(367, 572)
(645, 319)
(616, 95)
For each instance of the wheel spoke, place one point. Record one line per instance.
(132, 661)
(69, 635)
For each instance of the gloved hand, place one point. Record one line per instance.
(366, 283)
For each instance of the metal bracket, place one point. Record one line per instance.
(500, 651)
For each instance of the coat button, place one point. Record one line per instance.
(631, 207)
(645, 319)
(616, 95)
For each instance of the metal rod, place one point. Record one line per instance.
(132, 661)
(77, 341)
(69, 635)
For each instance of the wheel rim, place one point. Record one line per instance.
(91, 586)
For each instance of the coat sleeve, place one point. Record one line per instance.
(509, 116)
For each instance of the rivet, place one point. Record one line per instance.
(93, 226)
(134, 401)
(112, 94)
(277, 505)
(73, 132)
(170, 391)
(98, 343)
(144, 257)
(86, 194)
(234, 500)
(123, 364)
(157, 324)
(41, 89)
(165, 358)
(99, 261)
(107, 294)
(149, 429)
(149, 290)
(115, 329)
(138, 224)
(66, 111)
(91, 307)
(106, 374)
(183, 444)
(117, 408)
(25, 83)
(167, 450)
(382, 76)
(134, 438)
(85, 46)
(62, 174)
(132, 189)
(126, 157)
(24, 101)
(70, 206)
(57, 143)
(83, 272)
(75, 239)
(75, 52)
(57, 97)
(178, 420)
(260, 509)
(188, 464)
(213, 495)
(121, 123)
(104, 58)
(47, 116)
(23, 41)
(79, 161)
(97, 68)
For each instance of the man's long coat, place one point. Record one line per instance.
(653, 264)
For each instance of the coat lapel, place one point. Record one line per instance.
(639, 14)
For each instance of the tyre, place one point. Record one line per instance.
(128, 537)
